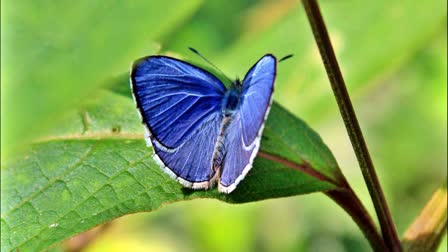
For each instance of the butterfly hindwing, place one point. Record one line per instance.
(180, 105)
(244, 132)
(191, 163)
(238, 159)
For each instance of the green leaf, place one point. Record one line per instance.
(291, 139)
(96, 167)
(56, 53)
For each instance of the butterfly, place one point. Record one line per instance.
(202, 133)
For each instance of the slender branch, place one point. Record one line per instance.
(351, 123)
(348, 200)
(344, 197)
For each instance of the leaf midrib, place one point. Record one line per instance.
(91, 136)
(326, 178)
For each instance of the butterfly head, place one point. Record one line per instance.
(237, 84)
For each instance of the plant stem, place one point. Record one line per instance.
(344, 197)
(348, 200)
(351, 123)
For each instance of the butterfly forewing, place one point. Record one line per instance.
(245, 129)
(258, 87)
(180, 105)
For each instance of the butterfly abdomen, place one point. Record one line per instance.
(220, 147)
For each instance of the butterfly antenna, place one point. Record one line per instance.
(200, 55)
(285, 58)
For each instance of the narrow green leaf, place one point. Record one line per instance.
(429, 228)
(96, 167)
(56, 52)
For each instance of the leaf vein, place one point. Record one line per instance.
(83, 201)
(52, 181)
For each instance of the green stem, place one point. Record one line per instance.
(344, 197)
(351, 123)
(348, 200)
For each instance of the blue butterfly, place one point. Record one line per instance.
(201, 132)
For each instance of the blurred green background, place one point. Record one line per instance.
(392, 54)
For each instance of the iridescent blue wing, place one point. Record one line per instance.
(244, 131)
(180, 106)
